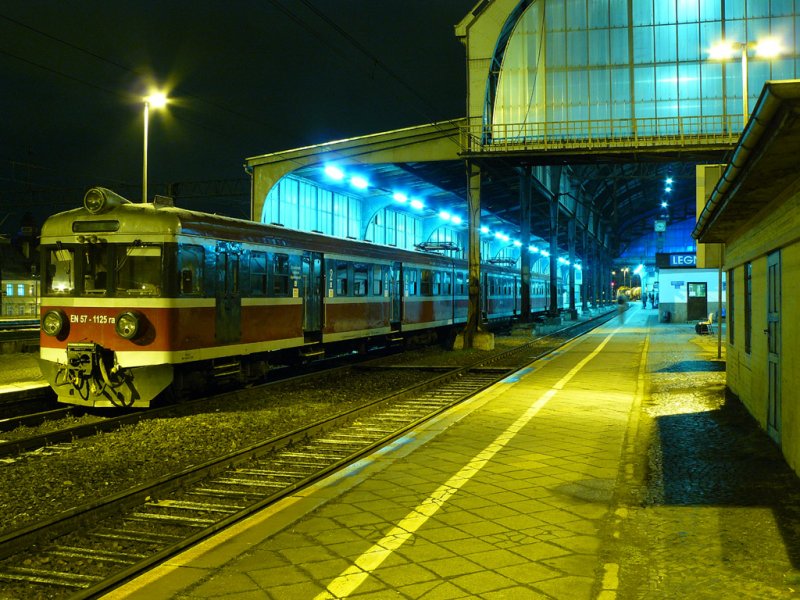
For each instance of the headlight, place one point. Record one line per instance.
(53, 322)
(127, 325)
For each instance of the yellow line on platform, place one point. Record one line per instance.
(352, 577)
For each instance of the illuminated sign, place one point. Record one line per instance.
(677, 260)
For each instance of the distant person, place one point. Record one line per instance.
(622, 306)
(644, 300)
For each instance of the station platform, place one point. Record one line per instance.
(613, 468)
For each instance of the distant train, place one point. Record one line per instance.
(139, 298)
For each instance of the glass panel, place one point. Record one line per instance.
(598, 42)
(689, 10)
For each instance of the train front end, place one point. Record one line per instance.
(103, 307)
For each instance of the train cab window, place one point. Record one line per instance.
(60, 271)
(258, 273)
(137, 270)
(280, 275)
(360, 279)
(190, 266)
(377, 280)
(341, 279)
(95, 269)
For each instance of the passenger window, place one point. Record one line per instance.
(190, 263)
(426, 286)
(447, 289)
(360, 279)
(377, 280)
(280, 275)
(437, 283)
(341, 279)
(411, 282)
(258, 273)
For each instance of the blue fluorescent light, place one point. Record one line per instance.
(444, 215)
(517, 243)
(400, 197)
(532, 249)
(664, 205)
(498, 235)
(359, 182)
(455, 220)
(334, 172)
(417, 203)
(544, 252)
(484, 229)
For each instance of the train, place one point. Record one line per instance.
(140, 299)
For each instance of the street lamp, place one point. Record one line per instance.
(725, 50)
(156, 100)
(624, 275)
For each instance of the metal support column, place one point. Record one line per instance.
(474, 208)
(573, 314)
(584, 283)
(525, 239)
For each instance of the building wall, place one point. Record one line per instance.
(673, 290)
(775, 228)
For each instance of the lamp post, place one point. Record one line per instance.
(724, 50)
(156, 100)
(624, 275)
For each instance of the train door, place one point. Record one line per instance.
(696, 301)
(395, 287)
(773, 332)
(229, 299)
(312, 291)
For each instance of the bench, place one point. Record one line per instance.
(705, 327)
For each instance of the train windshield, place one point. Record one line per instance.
(60, 272)
(104, 270)
(138, 270)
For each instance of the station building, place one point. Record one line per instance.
(753, 214)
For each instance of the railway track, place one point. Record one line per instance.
(90, 549)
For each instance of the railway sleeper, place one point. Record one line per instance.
(250, 482)
(290, 475)
(227, 509)
(220, 493)
(121, 558)
(144, 537)
(197, 522)
(59, 578)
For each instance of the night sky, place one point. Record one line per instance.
(247, 77)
